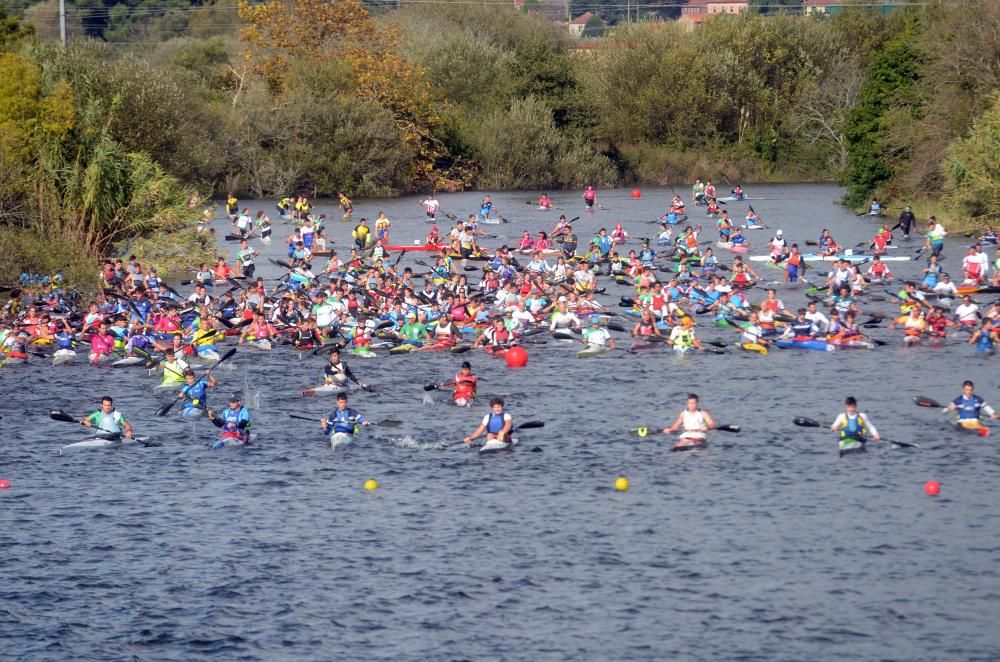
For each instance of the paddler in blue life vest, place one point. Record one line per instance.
(108, 419)
(852, 424)
(497, 424)
(970, 408)
(234, 420)
(343, 419)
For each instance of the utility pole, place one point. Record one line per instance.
(62, 23)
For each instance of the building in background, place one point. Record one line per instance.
(697, 11)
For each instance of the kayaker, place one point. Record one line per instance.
(935, 236)
(343, 419)
(337, 372)
(464, 385)
(431, 207)
(497, 337)
(682, 336)
(234, 420)
(497, 424)
(695, 422)
(970, 408)
(361, 234)
(109, 419)
(596, 335)
(852, 424)
(545, 202)
(985, 337)
(195, 391)
(590, 197)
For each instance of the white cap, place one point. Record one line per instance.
(778, 233)
(562, 299)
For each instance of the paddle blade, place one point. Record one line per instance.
(802, 421)
(430, 387)
(729, 427)
(224, 357)
(57, 415)
(390, 422)
(527, 425)
(303, 418)
(165, 409)
(640, 431)
(921, 401)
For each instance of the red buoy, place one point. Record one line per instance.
(932, 487)
(4, 484)
(636, 193)
(516, 357)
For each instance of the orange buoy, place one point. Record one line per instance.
(932, 487)
(636, 193)
(4, 484)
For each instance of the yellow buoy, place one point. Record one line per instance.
(371, 484)
(621, 483)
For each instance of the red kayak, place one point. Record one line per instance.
(431, 248)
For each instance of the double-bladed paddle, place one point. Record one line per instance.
(805, 422)
(165, 409)
(58, 415)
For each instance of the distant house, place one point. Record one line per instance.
(578, 26)
(695, 12)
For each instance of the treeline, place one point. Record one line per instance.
(106, 142)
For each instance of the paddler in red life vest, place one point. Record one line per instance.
(497, 336)
(544, 201)
(433, 238)
(464, 385)
(497, 424)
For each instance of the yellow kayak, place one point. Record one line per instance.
(754, 347)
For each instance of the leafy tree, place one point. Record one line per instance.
(891, 75)
(12, 29)
(973, 168)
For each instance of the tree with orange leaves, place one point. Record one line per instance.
(280, 31)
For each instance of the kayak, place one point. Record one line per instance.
(495, 445)
(363, 353)
(228, 441)
(592, 350)
(63, 356)
(431, 248)
(338, 439)
(972, 425)
(683, 349)
(731, 247)
(97, 442)
(813, 257)
(852, 344)
(333, 389)
(128, 361)
(463, 402)
(817, 345)
(847, 446)
(752, 227)
(690, 442)
(262, 344)
(754, 347)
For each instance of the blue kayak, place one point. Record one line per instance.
(817, 345)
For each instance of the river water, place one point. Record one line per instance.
(764, 546)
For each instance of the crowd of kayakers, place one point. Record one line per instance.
(459, 296)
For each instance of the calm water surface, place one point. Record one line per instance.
(765, 546)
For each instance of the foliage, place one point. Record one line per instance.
(12, 29)
(973, 168)
(889, 80)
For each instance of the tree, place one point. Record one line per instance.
(279, 32)
(890, 78)
(12, 29)
(973, 168)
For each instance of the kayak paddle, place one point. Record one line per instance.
(165, 409)
(921, 401)
(58, 415)
(805, 422)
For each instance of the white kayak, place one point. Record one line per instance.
(463, 402)
(331, 389)
(128, 361)
(209, 355)
(495, 445)
(63, 356)
(98, 442)
(691, 441)
(263, 344)
(848, 446)
(338, 439)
